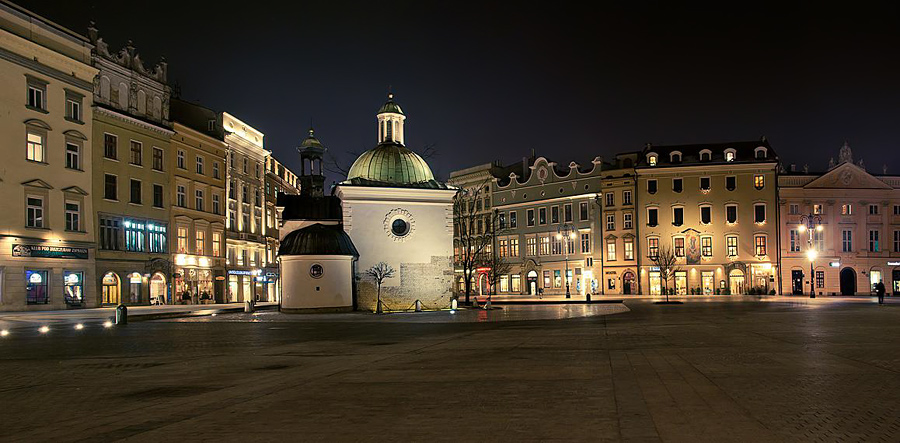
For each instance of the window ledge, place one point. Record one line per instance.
(76, 232)
(37, 228)
(137, 165)
(42, 111)
(37, 162)
(111, 159)
(72, 120)
(75, 169)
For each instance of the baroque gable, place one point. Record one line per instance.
(847, 176)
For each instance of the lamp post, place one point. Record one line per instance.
(566, 232)
(811, 223)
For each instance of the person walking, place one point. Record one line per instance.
(880, 290)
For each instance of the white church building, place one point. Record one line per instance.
(392, 210)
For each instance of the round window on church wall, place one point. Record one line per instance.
(400, 227)
(316, 270)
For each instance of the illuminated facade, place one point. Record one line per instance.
(858, 243)
(47, 237)
(198, 204)
(279, 180)
(715, 206)
(619, 248)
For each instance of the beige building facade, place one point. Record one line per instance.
(619, 245)
(858, 244)
(279, 180)
(47, 237)
(715, 206)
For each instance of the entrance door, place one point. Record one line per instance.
(655, 283)
(628, 283)
(531, 279)
(158, 289)
(736, 280)
(895, 278)
(848, 281)
(110, 289)
(797, 282)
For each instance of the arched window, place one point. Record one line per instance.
(651, 159)
(730, 155)
(104, 87)
(760, 153)
(142, 102)
(675, 157)
(123, 96)
(705, 155)
(390, 130)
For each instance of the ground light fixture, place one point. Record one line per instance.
(4, 333)
(107, 324)
(79, 326)
(44, 329)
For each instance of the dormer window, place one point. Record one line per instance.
(675, 157)
(729, 155)
(705, 155)
(651, 159)
(760, 153)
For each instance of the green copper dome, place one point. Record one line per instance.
(390, 106)
(390, 163)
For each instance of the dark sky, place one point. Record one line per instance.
(486, 81)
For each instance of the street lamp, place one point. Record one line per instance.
(810, 223)
(567, 232)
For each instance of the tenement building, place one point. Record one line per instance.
(714, 206)
(279, 180)
(855, 240)
(245, 225)
(197, 202)
(550, 234)
(131, 136)
(46, 232)
(617, 227)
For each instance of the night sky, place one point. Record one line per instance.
(484, 81)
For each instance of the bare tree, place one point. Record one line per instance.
(379, 273)
(667, 262)
(475, 234)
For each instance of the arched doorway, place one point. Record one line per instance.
(483, 287)
(158, 289)
(736, 281)
(628, 283)
(531, 281)
(110, 283)
(134, 287)
(848, 281)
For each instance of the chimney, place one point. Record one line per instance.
(793, 167)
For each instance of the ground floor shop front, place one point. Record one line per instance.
(259, 284)
(41, 275)
(727, 279)
(536, 279)
(134, 282)
(841, 276)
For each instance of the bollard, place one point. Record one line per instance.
(248, 306)
(418, 306)
(454, 304)
(121, 315)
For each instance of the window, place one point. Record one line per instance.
(531, 246)
(760, 243)
(795, 240)
(731, 214)
(873, 209)
(554, 214)
(157, 196)
(567, 212)
(818, 240)
(216, 244)
(136, 151)
(110, 146)
(514, 247)
(706, 246)
(873, 240)
(501, 220)
(610, 250)
(677, 185)
(215, 169)
(729, 156)
(180, 196)
(73, 216)
(583, 211)
(257, 222)
(110, 231)
(818, 210)
(651, 159)
(794, 209)
(181, 240)
(846, 241)
(110, 187)
(135, 191)
(759, 181)
(675, 157)
(629, 249)
(198, 200)
(545, 245)
(180, 159)
(37, 94)
(73, 156)
(34, 214)
(134, 235)
(542, 216)
(73, 106)
(515, 281)
(513, 223)
(73, 287)
(731, 183)
(626, 197)
(158, 237)
(759, 213)
(34, 147)
(653, 247)
(245, 194)
(232, 219)
(502, 247)
(679, 246)
(586, 242)
(731, 246)
(896, 209)
(652, 216)
(610, 199)
(705, 155)
(610, 222)
(556, 246)
(215, 204)
(258, 198)
(896, 241)
(627, 220)
(651, 186)
(200, 248)
(36, 287)
(706, 215)
(200, 165)
(504, 283)
(820, 279)
(245, 165)
(704, 184)
(677, 216)
(847, 209)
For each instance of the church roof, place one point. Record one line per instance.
(311, 141)
(390, 106)
(390, 163)
(318, 239)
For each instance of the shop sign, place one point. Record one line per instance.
(837, 264)
(220, 277)
(271, 274)
(893, 263)
(19, 250)
(241, 272)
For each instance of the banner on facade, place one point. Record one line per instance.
(693, 247)
(39, 251)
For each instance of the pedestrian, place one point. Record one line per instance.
(879, 289)
(541, 293)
